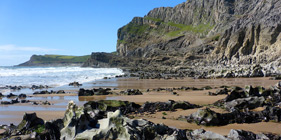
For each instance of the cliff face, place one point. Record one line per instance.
(239, 31)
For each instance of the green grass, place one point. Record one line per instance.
(37, 59)
(136, 29)
(121, 41)
(201, 28)
(154, 19)
(180, 29)
(115, 53)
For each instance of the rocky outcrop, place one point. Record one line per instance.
(89, 122)
(131, 92)
(98, 91)
(171, 105)
(209, 117)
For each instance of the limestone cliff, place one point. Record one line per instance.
(239, 31)
(223, 38)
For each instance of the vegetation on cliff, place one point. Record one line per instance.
(39, 60)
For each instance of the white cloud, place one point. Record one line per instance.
(12, 59)
(14, 55)
(27, 49)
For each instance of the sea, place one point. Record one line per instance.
(53, 76)
(56, 78)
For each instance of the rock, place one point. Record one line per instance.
(99, 91)
(29, 121)
(11, 95)
(112, 105)
(15, 101)
(83, 92)
(89, 122)
(219, 92)
(15, 87)
(208, 117)
(5, 102)
(242, 135)
(278, 85)
(202, 134)
(171, 105)
(75, 84)
(207, 88)
(22, 96)
(41, 103)
(113, 126)
(277, 77)
(60, 92)
(102, 91)
(24, 101)
(236, 93)
(272, 113)
(257, 91)
(33, 87)
(131, 92)
(205, 117)
(250, 102)
(46, 103)
(42, 92)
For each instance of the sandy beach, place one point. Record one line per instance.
(199, 97)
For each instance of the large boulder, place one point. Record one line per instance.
(89, 123)
(85, 92)
(208, 117)
(170, 105)
(244, 103)
(236, 93)
(202, 134)
(245, 135)
(111, 105)
(205, 117)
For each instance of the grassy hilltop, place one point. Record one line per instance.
(55, 60)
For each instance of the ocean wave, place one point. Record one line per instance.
(53, 76)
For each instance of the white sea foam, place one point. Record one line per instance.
(52, 76)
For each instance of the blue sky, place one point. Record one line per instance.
(67, 27)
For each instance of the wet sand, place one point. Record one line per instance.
(129, 83)
(195, 97)
(172, 121)
(17, 116)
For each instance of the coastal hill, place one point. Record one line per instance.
(206, 36)
(55, 60)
